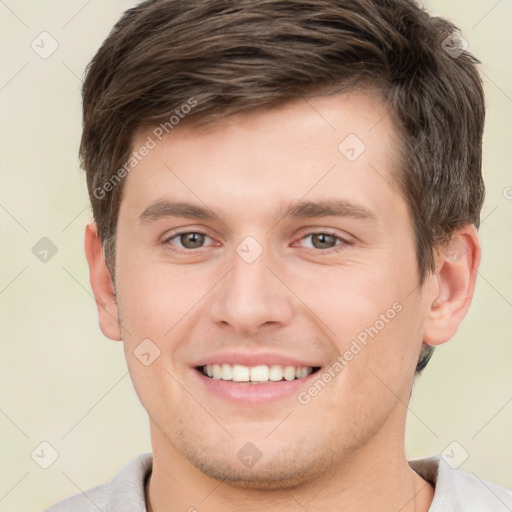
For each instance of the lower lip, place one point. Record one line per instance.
(254, 393)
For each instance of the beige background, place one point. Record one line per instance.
(62, 382)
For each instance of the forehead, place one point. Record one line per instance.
(342, 145)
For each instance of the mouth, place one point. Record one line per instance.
(260, 374)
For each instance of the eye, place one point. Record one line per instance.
(323, 240)
(188, 240)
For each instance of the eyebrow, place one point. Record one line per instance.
(301, 210)
(162, 209)
(327, 208)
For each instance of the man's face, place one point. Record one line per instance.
(257, 287)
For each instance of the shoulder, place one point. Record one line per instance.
(91, 500)
(457, 490)
(125, 488)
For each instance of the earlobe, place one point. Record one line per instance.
(456, 271)
(101, 284)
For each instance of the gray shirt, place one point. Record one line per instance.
(455, 490)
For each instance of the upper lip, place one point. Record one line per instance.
(255, 359)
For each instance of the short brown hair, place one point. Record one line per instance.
(232, 57)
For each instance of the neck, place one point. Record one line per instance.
(377, 476)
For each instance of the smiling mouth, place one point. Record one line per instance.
(255, 374)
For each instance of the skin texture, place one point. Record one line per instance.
(346, 446)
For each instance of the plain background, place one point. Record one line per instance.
(62, 382)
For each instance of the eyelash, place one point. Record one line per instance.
(343, 242)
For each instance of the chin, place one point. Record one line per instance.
(272, 475)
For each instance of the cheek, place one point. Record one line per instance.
(371, 317)
(153, 297)
(158, 389)
(347, 299)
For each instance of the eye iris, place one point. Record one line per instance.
(192, 240)
(323, 240)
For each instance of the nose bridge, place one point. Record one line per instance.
(250, 295)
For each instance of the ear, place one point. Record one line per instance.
(456, 270)
(101, 284)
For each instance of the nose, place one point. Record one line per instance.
(251, 297)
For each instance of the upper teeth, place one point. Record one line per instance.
(262, 373)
